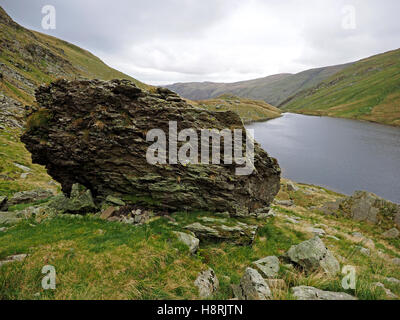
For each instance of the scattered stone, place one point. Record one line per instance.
(3, 229)
(391, 234)
(311, 293)
(393, 280)
(108, 213)
(3, 203)
(23, 168)
(189, 240)
(396, 261)
(291, 187)
(207, 282)
(388, 293)
(313, 255)
(30, 196)
(331, 208)
(252, 287)
(95, 135)
(285, 203)
(293, 220)
(80, 201)
(268, 267)
(9, 217)
(24, 175)
(14, 258)
(317, 231)
(240, 233)
(213, 220)
(333, 237)
(365, 251)
(115, 201)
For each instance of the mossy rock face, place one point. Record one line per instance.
(368, 207)
(95, 135)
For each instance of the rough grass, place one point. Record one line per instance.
(95, 259)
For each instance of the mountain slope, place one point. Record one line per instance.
(29, 58)
(273, 89)
(367, 90)
(249, 110)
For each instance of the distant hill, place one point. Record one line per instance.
(273, 89)
(249, 110)
(368, 90)
(29, 58)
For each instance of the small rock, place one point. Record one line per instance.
(240, 234)
(115, 201)
(312, 255)
(207, 282)
(268, 267)
(252, 287)
(108, 213)
(388, 293)
(365, 251)
(393, 280)
(292, 220)
(23, 168)
(333, 237)
(14, 258)
(317, 231)
(396, 261)
(391, 234)
(80, 201)
(30, 196)
(189, 240)
(291, 187)
(4, 229)
(311, 293)
(9, 217)
(285, 203)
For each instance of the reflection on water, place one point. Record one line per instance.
(344, 155)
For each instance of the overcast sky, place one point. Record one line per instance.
(167, 41)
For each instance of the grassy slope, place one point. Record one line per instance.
(273, 89)
(367, 90)
(95, 259)
(249, 110)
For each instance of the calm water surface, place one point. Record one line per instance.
(343, 155)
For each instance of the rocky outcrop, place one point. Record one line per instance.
(189, 240)
(94, 133)
(80, 201)
(252, 287)
(368, 207)
(207, 283)
(313, 255)
(269, 266)
(311, 293)
(30, 196)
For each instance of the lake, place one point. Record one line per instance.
(340, 154)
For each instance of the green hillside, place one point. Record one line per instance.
(272, 89)
(29, 58)
(249, 110)
(367, 90)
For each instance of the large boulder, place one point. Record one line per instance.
(313, 255)
(95, 133)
